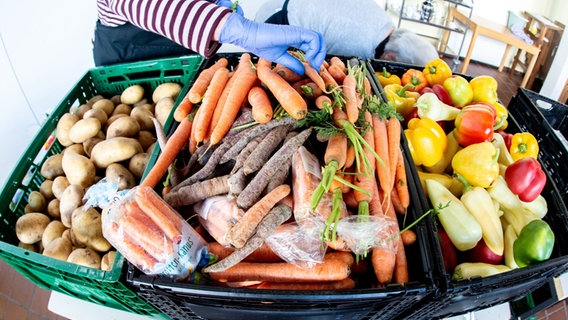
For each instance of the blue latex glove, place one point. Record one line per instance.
(271, 41)
(229, 4)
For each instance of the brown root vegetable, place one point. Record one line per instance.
(60, 248)
(85, 257)
(264, 150)
(30, 227)
(198, 191)
(52, 167)
(265, 228)
(253, 190)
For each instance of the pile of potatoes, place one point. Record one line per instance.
(108, 138)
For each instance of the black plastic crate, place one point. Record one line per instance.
(480, 293)
(180, 300)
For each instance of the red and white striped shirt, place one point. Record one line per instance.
(190, 23)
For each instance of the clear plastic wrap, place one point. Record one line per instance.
(148, 232)
(217, 215)
(362, 233)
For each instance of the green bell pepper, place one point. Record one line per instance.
(534, 244)
(459, 89)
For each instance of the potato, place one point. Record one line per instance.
(46, 189)
(150, 149)
(143, 117)
(166, 90)
(51, 167)
(104, 104)
(108, 260)
(94, 99)
(121, 108)
(78, 169)
(71, 199)
(163, 109)
(123, 127)
(117, 173)
(53, 231)
(67, 235)
(146, 106)
(81, 110)
(132, 94)
(33, 247)
(115, 99)
(59, 248)
(112, 119)
(137, 164)
(59, 185)
(75, 148)
(53, 208)
(64, 124)
(146, 138)
(30, 227)
(87, 228)
(97, 114)
(85, 257)
(90, 143)
(114, 150)
(84, 129)
(28, 209)
(37, 201)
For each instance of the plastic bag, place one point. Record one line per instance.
(361, 233)
(299, 245)
(217, 215)
(147, 231)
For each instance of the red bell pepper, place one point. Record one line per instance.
(442, 94)
(474, 124)
(507, 137)
(525, 178)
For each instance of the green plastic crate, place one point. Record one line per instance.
(105, 288)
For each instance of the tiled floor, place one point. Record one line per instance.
(21, 299)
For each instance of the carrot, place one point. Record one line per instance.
(365, 180)
(245, 77)
(204, 114)
(144, 231)
(198, 191)
(346, 257)
(262, 254)
(160, 213)
(261, 106)
(383, 259)
(334, 159)
(183, 109)
(310, 90)
(345, 284)
(324, 102)
(336, 61)
(288, 98)
(132, 250)
(298, 84)
(350, 156)
(275, 217)
(401, 182)
(381, 147)
(394, 131)
(265, 147)
(314, 74)
(174, 145)
(408, 237)
(330, 270)
(367, 85)
(220, 103)
(252, 191)
(286, 73)
(237, 182)
(349, 199)
(351, 100)
(330, 82)
(281, 174)
(197, 90)
(337, 73)
(246, 151)
(247, 224)
(395, 201)
(401, 264)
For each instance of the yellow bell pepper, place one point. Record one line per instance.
(402, 99)
(484, 89)
(477, 163)
(523, 144)
(443, 165)
(426, 141)
(501, 115)
(437, 71)
(386, 78)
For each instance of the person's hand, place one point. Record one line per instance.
(271, 41)
(229, 4)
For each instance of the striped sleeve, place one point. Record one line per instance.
(190, 23)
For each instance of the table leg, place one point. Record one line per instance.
(505, 55)
(469, 50)
(529, 70)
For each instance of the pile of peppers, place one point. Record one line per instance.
(472, 169)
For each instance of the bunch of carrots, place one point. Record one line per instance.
(241, 127)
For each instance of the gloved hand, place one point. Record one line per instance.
(271, 41)
(229, 4)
